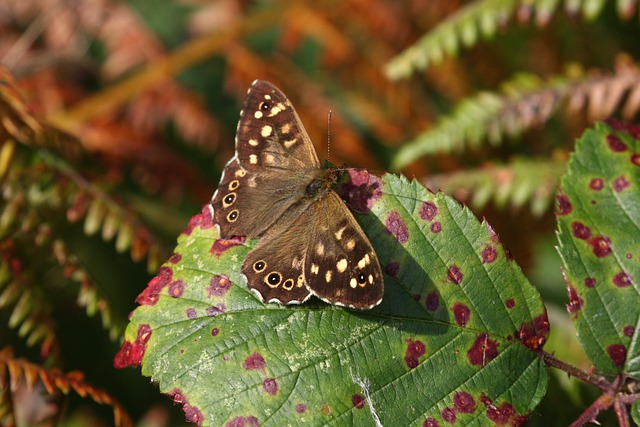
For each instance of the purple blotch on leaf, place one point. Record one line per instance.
(255, 361)
(616, 143)
(430, 422)
(596, 184)
(301, 408)
(601, 246)
(620, 183)
(270, 385)
(176, 288)
(428, 211)
(575, 302)
(221, 245)
(489, 254)
(396, 227)
(151, 294)
(392, 269)
(510, 303)
(618, 354)
(219, 285)
(461, 313)
(214, 310)
(635, 159)
(534, 334)
(580, 230)
(628, 331)
(358, 401)
(564, 205)
(249, 421)
(449, 415)
(622, 280)
(362, 190)
(464, 402)
(436, 227)
(415, 349)
(455, 275)
(202, 220)
(589, 282)
(433, 300)
(131, 353)
(175, 258)
(191, 313)
(483, 350)
(215, 331)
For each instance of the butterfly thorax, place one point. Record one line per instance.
(326, 181)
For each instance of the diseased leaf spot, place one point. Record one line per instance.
(392, 269)
(461, 313)
(635, 159)
(326, 410)
(622, 280)
(215, 332)
(620, 183)
(415, 350)
(564, 205)
(397, 228)
(482, 351)
(580, 230)
(616, 143)
(192, 414)
(202, 220)
(628, 331)
(501, 415)
(589, 282)
(626, 127)
(254, 362)
(534, 334)
(131, 353)
(214, 310)
(510, 303)
(617, 354)
(596, 184)
(270, 385)
(301, 408)
(358, 401)
(432, 301)
(175, 258)
(222, 245)
(575, 302)
(436, 227)
(151, 294)
(464, 402)
(428, 211)
(362, 190)
(430, 422)
(176, 288)
(455, 275)
(219, 285)
(449, 415)
(191, 313)
(249, 421)
(601, 246)
(489, 254)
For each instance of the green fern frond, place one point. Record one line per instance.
(525, 101)
(514, 185)
(480, 20)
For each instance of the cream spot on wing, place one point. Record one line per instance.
(269, 159)
(296, 264)
(353, 282)
(320, 248)
(300, 281)
(267, 96)
(327, 276)
(266, 131)
(371, 279)
(339, 233)
(251, 182)
(257, 114)
(253, 159)
(253, 142)
(342, 265)
(274, 111)
(286, 128)
(240, 173)
(351, 244)
(314, 269)
(290, 143)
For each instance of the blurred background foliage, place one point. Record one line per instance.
(117, 118)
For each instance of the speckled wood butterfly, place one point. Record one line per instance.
(275, 189)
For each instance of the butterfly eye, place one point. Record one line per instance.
(229, 199)
(233, 215)
(259, 266)
(273, 279)
(264, 106)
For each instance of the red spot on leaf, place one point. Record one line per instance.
(202, 220)
(175, 258)
(151, 293)
(596, 184)
(191, 313)
(622, 280)
(534, 334)
(489, 254)
(635, 159)
(501, 415)
(433, 301)
(397, 228)
(620, 183)
(358, 401)
(215, 332)
(589, 282)
(214, 310)
(626, 127)
(464, 402)
(362, 190)
(575, 302)
(455, 275)
(270, 385)
(301, 408)
(430, 422)
(392, 269)
(131, 353)
(176, 288)
(326, 410)
(628, 330)
(483, 350)
(449, 415)
(222, 245)
(254, 362)
(436, 227)
(249, 421)
(580, 230)
(192, 414)
(510, 303)
(618, 354)
(428, 211)
(415, 349)
(461, 313)
(601, 246)
(564, 205)
(219, 285)
(616, 143)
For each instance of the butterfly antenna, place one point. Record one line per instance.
(329, 135)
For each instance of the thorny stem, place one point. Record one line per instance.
(603, 402)
(595, 380)
(621, 413)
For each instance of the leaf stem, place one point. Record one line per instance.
(596, 380)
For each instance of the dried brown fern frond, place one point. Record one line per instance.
(14, 372)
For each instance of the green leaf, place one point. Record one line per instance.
(598, 229)
(456, 335)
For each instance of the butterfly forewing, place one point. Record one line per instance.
(275, 190)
